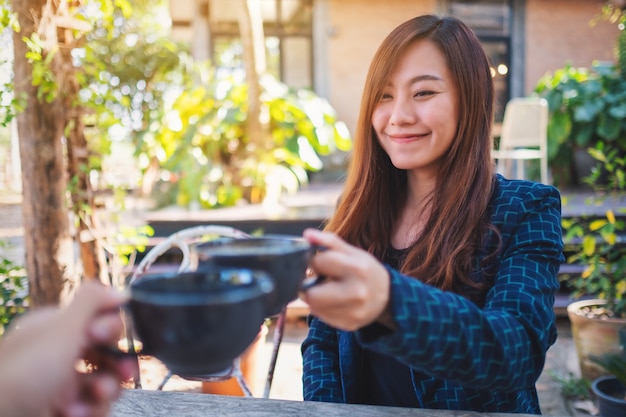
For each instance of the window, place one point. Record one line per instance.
(287, 25)
(492, 21)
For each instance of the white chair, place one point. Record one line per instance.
(524, 136)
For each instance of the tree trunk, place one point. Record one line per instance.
(82, 195)
(253, 43)
(83, 203)
(47, 239)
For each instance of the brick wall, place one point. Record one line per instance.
(357, 28)
(559, 31)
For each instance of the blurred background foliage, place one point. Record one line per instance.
(186, 120)
(13, 293)
(212, 161)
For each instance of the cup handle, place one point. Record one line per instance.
(316, 280)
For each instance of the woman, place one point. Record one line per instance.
(441, 274)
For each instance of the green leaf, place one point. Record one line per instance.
(597, 224)
(554, 98)
(608, 127)
(342, 137)
(589, 245)
(583, 134)
(308, 155)
(559, 127)
(618, 111)
(598, 155)
(228, 195)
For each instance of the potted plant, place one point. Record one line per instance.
(596, 245)
(587, 108)
(610, 390)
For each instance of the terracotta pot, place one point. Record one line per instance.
(592, 336)
(252, 367)
(610, 396)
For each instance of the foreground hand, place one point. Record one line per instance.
(356, 292)
(39, 355)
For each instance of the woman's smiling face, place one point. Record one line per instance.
(417, 116)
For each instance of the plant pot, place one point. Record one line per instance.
(610, 396)
(592, 336)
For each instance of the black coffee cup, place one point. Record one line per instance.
(197, 323)
(284, 258)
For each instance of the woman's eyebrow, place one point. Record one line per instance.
(425, 77)
(418, 78)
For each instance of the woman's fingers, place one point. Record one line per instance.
(325, 239)
(337, 255)
(356, 290)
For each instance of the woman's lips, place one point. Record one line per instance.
(408, 137)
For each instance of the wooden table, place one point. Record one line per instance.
(146, 403)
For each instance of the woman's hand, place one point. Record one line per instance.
(39, 356)
(356, 291)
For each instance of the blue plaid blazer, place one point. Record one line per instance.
(463, 355)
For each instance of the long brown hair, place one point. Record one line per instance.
(375, 191)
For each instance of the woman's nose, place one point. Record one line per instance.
(402, 113)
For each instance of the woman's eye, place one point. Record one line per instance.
(424, 93)
(386, 97)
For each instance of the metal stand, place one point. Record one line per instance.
(277, 339)
(233, 372)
